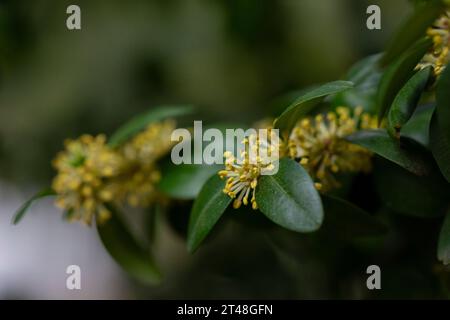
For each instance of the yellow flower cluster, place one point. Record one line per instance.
(91, 175)
(256, 158)
(318, 144)
(81, 184)
(439, 55)
(140, 154)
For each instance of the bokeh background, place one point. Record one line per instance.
(230, 58)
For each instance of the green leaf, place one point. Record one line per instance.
(405, 102)
(20, 213)
(409, 156)
(413, 29)
(440, 147)
(443, 102)
(417, 127)
(409, 194)
(279, 103)
(303, 105)
(365, 75)
(139, 122)
(206, 211)
(363, 70)
(443, 252)
(185, 181)
(126, 251)
(398, 73)
(289, 198)
(349, 221)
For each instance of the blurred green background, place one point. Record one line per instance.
(232, 59)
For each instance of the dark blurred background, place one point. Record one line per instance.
(231, 58)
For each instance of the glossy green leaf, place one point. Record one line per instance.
(139, 122)
(406, 101)
(409, 194)
(349, 221)
(417, 127)
(126, 251)
(365, 75)
(440, 147)
(290, 199)
(279, 103)
(206, 211)
(409, 156)
(185, 181)
(413, 29)
(443, 251)
(443, 102)
(303, 105)
(20, 213)
(398, 73)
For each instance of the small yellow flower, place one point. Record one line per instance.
(439, 56)
(81, 184)
(318, 144)
(138, 185)
(151, 144)
(256, 158)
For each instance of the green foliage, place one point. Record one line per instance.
(185, 181)
(406, 101)
(365, 74)
(410, 176)
(397, 74)
(443, 103)
(413, 28)
(206, 211)
(440, 146)
(139, 122)
(408, 155)
(126, 251)
(306, 103)
(290, 199)
(20, 213)
(417, 127)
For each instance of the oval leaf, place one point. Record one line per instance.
(139, 122)
(348, 220)
(303, 105)
(206, 211)
(398, 73)
(20, 213)
(405, 102)
(290, 199)
(379, 142)
(185, 181)
(443, 102)
(440, 147)
(413, 29)
(126, 251)
(444, 241)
